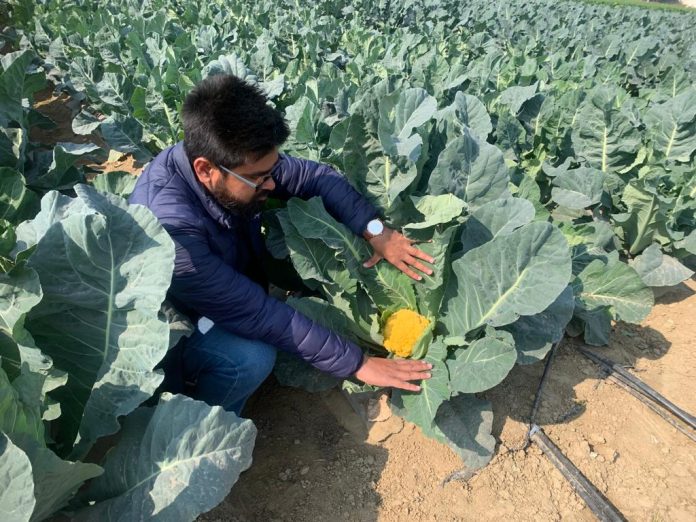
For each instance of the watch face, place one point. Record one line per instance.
(375, 227)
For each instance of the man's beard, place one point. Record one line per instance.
(229, 202)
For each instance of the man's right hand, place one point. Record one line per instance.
(396, 373)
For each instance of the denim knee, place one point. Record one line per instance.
(260, 362)
(224, 369)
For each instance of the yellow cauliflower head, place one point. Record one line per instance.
(401, 331)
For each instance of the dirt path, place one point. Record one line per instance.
(308, 467)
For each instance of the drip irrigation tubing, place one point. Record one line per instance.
(465, 474)
(666, 416)
(639, 386)
(600, 505)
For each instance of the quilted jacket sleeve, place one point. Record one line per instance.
(216, 290)
(306, 179)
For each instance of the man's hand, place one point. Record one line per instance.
(400, 252)
(393, 372)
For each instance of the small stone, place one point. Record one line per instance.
(282, 476)
(600, 458)
(584, 447)
(593, 454)
(665, 450)
(370, 460)
(378, 410)
(614, 456)
(304, 470)
(296, 442)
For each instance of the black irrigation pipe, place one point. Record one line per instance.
(540, 390)
(654, 407)
(466, 474)
(639, 386)
(602, 508)
(600, 505)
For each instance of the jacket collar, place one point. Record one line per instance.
(216, 211)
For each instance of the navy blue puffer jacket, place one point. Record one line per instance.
(217, 254)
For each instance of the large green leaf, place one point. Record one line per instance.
(230, 64)
(514, 97)
(688, 243)
(421, 407)
(604, 134)
(466, 110)
(312, 220)
(377, 175)
(16, 483)
(645, 219)
(436, 210)
(61, 173)
(12, 193)
(482, 364)
(302, 118)
(173, 462)
(535, 334)
(520, 273)
(594, 325)
(330, 316)
(125, 134)
(672, 126)
(21, 405)
(108, 272)
(118, 182)
(12, 77)
(55, 480)
(439, 245)
(616, 286)
(12, 148)
(315, 261)
(470, 169)
(464, 423)
(400, 115)
(54, 208)
(495, 218)
(20, 291)
(578, 188)
(658, 269)
(386, 285)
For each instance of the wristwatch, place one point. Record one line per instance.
(374, 228)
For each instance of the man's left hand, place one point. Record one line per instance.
(400, 252)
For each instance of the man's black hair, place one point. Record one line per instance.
(229, 122)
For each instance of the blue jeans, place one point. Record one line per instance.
(224, 369)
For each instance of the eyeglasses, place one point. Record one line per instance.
(255, 186)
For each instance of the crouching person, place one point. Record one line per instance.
(207, 192)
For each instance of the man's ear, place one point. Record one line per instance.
(204, 170)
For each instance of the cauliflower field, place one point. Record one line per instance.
(544, 153)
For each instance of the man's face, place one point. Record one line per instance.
(234, 194)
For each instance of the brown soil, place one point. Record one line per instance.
(57, 108)
(308, 466)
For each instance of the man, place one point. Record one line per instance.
(207, 193)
